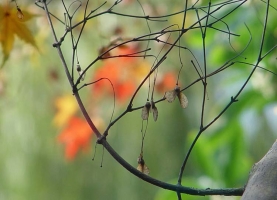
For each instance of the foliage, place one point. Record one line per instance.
(13, 23)
(113, 65)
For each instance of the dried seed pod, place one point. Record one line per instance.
(145, 111)
(142, 166)
(154, 110)
(19, 13)
(80, 71)
(171, 95)
(183, 100)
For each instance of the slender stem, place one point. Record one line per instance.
(102, 140)
(185, 15)
(260, 52)
(75, 91)
(57, 44)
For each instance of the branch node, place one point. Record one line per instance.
(57, 44)
(233, 100)
(74, 89)
(129, 108)
(184, 31)
(201, 128)
(103, 137)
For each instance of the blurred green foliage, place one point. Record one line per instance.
(32, 164)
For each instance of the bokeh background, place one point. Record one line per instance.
(37, 157)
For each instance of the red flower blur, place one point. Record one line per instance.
(77, 135)
(124, 72)
(166, 82)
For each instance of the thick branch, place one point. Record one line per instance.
(161, 184)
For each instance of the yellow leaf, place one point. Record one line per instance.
(66, 106)
(11, 25)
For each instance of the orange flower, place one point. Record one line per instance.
(75, 136)
(122, 72)
(126, 73)
(166, 82)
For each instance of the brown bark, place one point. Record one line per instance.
(262, 182)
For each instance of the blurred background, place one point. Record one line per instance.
(46, 148)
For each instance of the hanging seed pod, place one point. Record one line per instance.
(142, 166)
(182, 98)
(19, 13)
(171, 95)
(154, 110)
(80, 72)
(145, 111)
